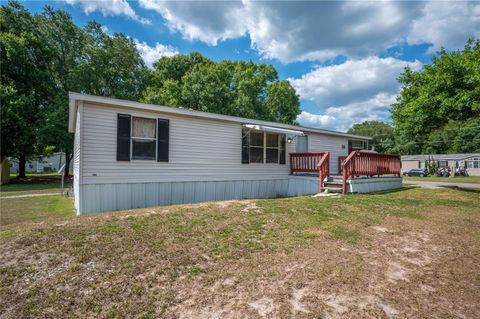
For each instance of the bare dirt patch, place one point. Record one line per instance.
(406, 254)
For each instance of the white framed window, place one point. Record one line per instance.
(272, 147)
(144, 138)
(267, 148)
(422, 164)
(473, 162)
(257, 147)
(442, 164)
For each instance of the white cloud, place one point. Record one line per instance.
(341, 118)
(207, 21)
(352, 81)
(309, 30)
(446, 24)
(109, 8)
(152, 54)
(292, 31)
(354, 91)
(315, 120)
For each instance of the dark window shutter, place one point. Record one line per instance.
(245, 147)
(283, 153)
(163, 140)
(123, 137)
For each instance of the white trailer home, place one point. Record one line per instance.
(131, 155)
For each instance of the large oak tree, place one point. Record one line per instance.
(43, 57)
(380, 132)
(438, 110)
(228, 87)
(25, 85)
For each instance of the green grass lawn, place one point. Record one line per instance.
(53, 174)
(34, 184)
(186, 260)
(456, 179)
(33, 209)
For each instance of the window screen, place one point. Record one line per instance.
(272, 148)
(256, 147)
(144, 143)
(264, 147)
(473, 162)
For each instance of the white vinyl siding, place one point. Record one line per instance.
(205, 163)
(332, 144)
(200, 149)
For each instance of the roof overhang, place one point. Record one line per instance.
(272, 129)
(76, 97)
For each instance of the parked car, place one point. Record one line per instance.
(416, 172)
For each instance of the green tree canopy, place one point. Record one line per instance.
(45, 56)
(228, 87)
(25, 84)
(380, 132)
(438, 109)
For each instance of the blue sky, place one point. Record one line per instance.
(343, 58)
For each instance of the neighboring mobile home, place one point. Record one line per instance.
(130, 155)
(45, 165)
(471, 162)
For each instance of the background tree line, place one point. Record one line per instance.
(44, 56)
(438, 109)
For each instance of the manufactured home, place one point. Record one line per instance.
(45, 165)
(469, 162)
(131, 155)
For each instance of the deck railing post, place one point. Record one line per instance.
(320, 181)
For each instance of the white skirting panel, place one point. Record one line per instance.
(374, 184)
(121, 196)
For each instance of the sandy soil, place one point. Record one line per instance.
(408, 269)
(400, 268)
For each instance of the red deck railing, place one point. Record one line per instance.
(305, 162)
(311, 163)
(364, 163)
(323, 169)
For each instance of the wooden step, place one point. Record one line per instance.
(335, 179)
(327, 184)
(333, 190)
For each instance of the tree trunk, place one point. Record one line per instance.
(68, 159)
(22, 161)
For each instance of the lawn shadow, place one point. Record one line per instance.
(35, 183)
(463, 189)
(396, 190)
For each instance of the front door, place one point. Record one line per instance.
(301, 145)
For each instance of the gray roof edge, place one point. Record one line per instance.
(439, 156)
(73, 96)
